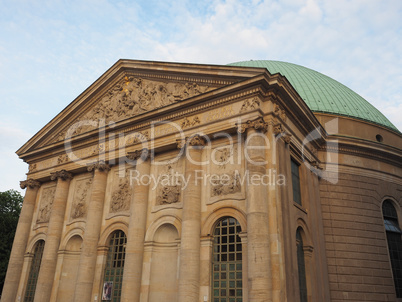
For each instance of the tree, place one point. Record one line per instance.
(10, 208)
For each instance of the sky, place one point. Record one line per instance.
(51, 51)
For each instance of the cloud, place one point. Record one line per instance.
(71, 44)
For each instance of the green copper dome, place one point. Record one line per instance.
(322, 93)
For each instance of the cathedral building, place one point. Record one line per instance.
(253, 181)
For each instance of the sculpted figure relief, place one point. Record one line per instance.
(250, 105)
(168, 195)
(169, 192)
(121, 197)
(226, 184)
(79, 208)
(46, 204)
(131, 97)
(223, 156)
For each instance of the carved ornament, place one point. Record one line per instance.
(168, 195)
(63, 158)
(47, 199)
(31, 168)
(142, 154)
(278, 111)
(194, 141)
(30, 183)
(277, 129)
(226, 184)
(258, 124)
(100, 166)
(62, 174)
(250, 105)
(197, 140)
(287, 138)
(190, 122)
(130, 97)
(121, 197)
(81, 196)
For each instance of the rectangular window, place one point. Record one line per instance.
(296, 182)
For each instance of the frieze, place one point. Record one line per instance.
(249, 105)
(190, 122)
(32, 168)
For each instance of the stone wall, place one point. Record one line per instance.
(356, 246)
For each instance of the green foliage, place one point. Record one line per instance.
(10, 208)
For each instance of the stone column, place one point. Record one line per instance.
(16, 260)
(259, 268)
(53, 237)
(189, 270)
(86, 270)
(277, 138)
(131, 288)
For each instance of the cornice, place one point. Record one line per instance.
(364, 148)
(221, 74)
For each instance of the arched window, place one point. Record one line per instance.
(227, 262)
(301, 266)
(394, 241)
(34, 271)
(113, 275)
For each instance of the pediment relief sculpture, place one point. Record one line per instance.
(130, 97)
(46, 204)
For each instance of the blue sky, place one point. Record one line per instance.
(50, 51)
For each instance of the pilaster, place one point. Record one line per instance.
(87, 265)
(131, 290)
(189, 270)
(53, 237)
(16, 260)
(259, 266)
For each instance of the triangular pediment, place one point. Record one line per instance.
(130, 89)
(129, 97)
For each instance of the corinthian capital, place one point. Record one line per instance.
(142, 154)
(100, 166)
(30, 183)
(258, 124)
(195, 141)
(62, 174)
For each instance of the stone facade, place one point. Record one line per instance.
(133, 186)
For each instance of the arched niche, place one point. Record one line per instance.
(69, 271)
(164, 261)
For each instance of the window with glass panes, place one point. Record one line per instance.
(227, 281)
(394, 241)
(113, 276)
(34, 271)
(301, 267)
(296, 181)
